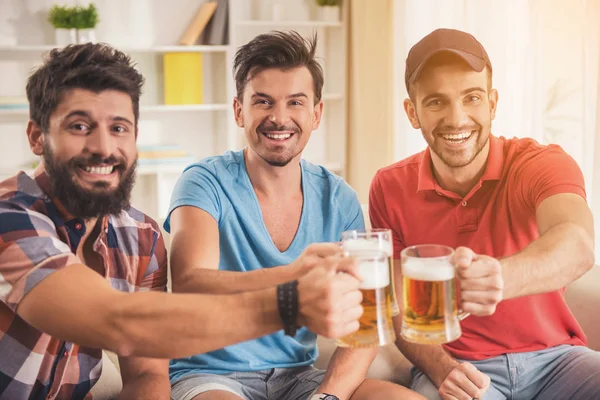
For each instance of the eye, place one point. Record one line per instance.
(295, 103)
(473, 98)
(79, 127)
(120, 129)
(262, 102)
(434, 103)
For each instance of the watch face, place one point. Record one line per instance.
(330, 397)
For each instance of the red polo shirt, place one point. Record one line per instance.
(496, 218)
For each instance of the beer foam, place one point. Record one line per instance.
(424, 269)
(376, 274)
(355, 245)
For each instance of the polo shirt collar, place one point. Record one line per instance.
(493, 168)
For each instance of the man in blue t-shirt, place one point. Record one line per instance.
(238, 222)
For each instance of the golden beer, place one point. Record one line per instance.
(430, 314)
(375, 240)
(376, 327)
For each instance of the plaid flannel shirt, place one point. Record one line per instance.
(38, 237)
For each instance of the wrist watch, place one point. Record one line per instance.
(324, 396)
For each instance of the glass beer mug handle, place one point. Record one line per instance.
(462, 315)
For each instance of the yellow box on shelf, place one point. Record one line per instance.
(183, 78)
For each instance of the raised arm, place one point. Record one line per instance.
(563, 252)
(195, 269)
(76, 304)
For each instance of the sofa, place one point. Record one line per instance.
(582, 296)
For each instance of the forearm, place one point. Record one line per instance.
(560, 256)
(346, 371)
(430, 359)
(148, 387)
(177, 325)
(203, 280)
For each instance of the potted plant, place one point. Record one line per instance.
(329, 10)
(62, 19)
(86, 20)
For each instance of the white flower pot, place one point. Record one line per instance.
(329, 13)
(64, 37)
(86, 36)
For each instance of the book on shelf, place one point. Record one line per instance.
(216, 32)
(183, 78)
(196, 26)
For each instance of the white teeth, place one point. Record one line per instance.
(100, 170)
(282, 136)
(457, 136)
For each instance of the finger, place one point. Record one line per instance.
(345, 283)
(479, 310)
(347, 265)
(483, 283)
(452, 389)
(352, 314)
(487, 267)
(345, 329)
(483, 297)
(463, 256)
(351, 299)
(481, 380)
(323, 249)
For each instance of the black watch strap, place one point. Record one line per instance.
(287, 301)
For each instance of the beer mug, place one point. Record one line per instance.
(378, 240)
(430, 314)
(376, 328)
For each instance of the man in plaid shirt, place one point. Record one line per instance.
(81, 270)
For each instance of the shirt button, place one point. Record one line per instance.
(464, 203)
(78, 226)
(65, 354)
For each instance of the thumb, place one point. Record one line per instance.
(347, 265)
(463, 257)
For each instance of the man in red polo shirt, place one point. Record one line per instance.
(509, 205)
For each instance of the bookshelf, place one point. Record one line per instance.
(147, 30)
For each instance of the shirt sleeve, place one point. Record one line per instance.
(350, 208)
(155, 275)
(197, 187)
(379, 216)
(550, 172)
(30, 250)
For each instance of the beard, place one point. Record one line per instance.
(278, 159)
(458, 158)
(86, 203)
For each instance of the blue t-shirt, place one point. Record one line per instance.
(221, 186)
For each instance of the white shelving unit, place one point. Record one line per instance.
(203, 129)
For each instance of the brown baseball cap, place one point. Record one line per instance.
(458, 42)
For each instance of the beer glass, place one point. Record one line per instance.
(430, 314)
(374, 239)
(376, 328)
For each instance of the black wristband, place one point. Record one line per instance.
(287, 301)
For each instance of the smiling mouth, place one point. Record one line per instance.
(99, 171)
(279, 136)
(457, 138)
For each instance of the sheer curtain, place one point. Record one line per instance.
(545, 55)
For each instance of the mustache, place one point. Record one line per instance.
(450, 129)
(268, 126)
(97, 159)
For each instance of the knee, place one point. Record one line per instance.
(422, 385)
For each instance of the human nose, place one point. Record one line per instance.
(101, 142)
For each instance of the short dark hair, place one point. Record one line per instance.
(445, 58)
(95, 67)
(277, 49)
